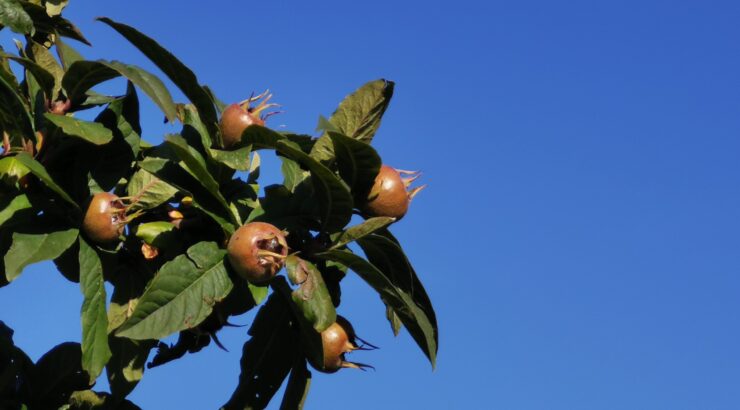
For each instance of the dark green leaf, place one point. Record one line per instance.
(47, 24)
(37, 169)
(358, 231)
(267, 357)
(393, 320)
(237, 159)
(126, 366)
(14, 118)
(292, 173)
(358, 163)
(296, 391)
(312, 297)
(44, 58)
(95, 350)
(13, 16)
(57, 374)
(16, 205)
(334, 198)
(180, 75)
(43, 77)
(421, 326)
(92, 132)
(150, 231)
(261, 137)
(83, 75)
(181, 295)
(359, 115)
(28, 248)
(67, 54)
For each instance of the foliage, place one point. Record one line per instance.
(181, 200)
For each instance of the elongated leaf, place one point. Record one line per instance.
(92, 132)
(43, 77)
(13, 16)
(126, 366)
(196, 165)
(359, 115)
(17, 204)
(180, 75)
(150, 231)
(181, 295)
(44, 58)
(312, 296)
(83, 75)
(358, 163)
(296, 391)
(37, 169)
(266, 358)
(237, 159)
(67, 54)
(334, 198)
(95, 349)
(14, 119)
(28, 248)
(149, 191)
(57, 374)
(393, 320)
(421, 326)
(356, 232)
(44, 23)
(292, 173)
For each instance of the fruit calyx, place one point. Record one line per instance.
(237, 117)
(257, 251)
(106, 217)
(390, 195)
(337, 340)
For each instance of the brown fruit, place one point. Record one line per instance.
(105, 218)
(237, 117)
(338, 339)
(389, 195)
(257, 251)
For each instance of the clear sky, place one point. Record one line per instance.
(580, 236)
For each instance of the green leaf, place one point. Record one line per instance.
(55, 7)
(43, 57)
(67, 54)
(14, 118)
(126, 366)
(312, 296)
(334, 198)
(95, 349)
(267, 356)
(356, 232)
(47, 24)
(57, 374)
(358, 163)
(92, 132)
(197, 167)
(37, 169)
(13, 16)
(28, 248)
(237, 159)
(292, 173)
(359, 115)
(150, 231)
(181, 295)
(43, 77)
(148, 191)
(12, 170)
(180, 75)
(421, 326)
(296, 391)
(393, 320)
(83, 75)
(16, 205)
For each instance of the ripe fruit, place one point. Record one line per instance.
(105, 218)
(60, 107)
(338, 339)
(389, 195)
(237, 117)
(257, 251)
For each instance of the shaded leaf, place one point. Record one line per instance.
(14, 118)
(358, 163)
(95, 349)
(148, 191)
(16, 205)
(180, 75)
(181, 295)
(37, 169)
(237, 159)
(43, 77)
(359, 115)
(421, 326)
(126, 366)
(28, 248)
(67, 54)
(92, 132)
(393, 320)
(150, 231)
(296, 391)
(44, 23)
(57, 374)
(84, 75)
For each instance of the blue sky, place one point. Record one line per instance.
(579, 235)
